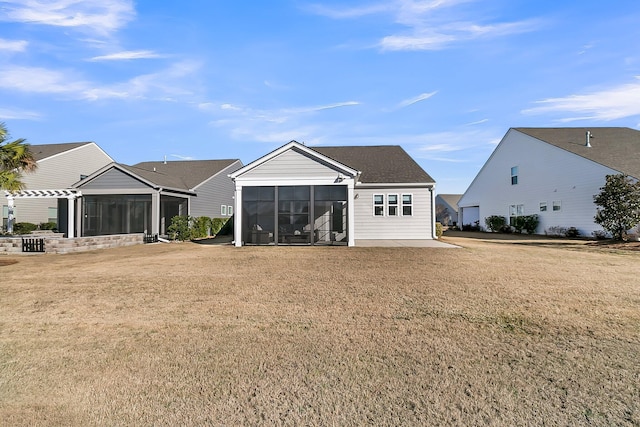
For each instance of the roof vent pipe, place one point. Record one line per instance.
(588, 137)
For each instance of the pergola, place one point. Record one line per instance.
(70, 195)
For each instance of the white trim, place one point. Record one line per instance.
(289, 182)
(397, 204)
(402, 205)
(300, 147)
(374, 204)
(42, 194)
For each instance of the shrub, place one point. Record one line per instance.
(506, 229)
(572, 232)
(200, 227)
(23, 227)
(556, 231)
(470, 227)
(48, 226)
(530, 223)
(218, 224)
(601, 235)
(438, 229)
(495, 222)
(179, 228)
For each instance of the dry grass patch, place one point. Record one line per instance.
(494, 333)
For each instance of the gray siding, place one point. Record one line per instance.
(113, 179)
(54, 173)
(290, 164)
(417, 226)
(214, 193)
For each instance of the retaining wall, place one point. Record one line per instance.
(60, 245)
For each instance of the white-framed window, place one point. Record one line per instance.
(52, 215)
(378, 204)
(543, 206)
(514, 212)
(230, 210)
(514, 175)
(557, 205)
(223, 210)
(407, 204)
(393, 205)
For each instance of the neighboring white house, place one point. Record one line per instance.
(332, 195)
(121, 199)
(551, 172)
(447, 209)
(59, 166)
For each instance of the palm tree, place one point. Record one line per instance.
(15, 157)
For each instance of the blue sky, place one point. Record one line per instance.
(207, 79)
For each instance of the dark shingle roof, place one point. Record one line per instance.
(379, 164)
(183, 174)
(43, 151)
(614, 147)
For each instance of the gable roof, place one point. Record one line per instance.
(450, 199)
(180, 174)
(379, 164)
(614, 147)
(42, 151)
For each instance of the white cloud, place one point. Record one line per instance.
(127, 55)
(609, 104)
(13, 45)
(40, 80)
(418, 98)
(345, 13)
(100, 16)
(17, 114)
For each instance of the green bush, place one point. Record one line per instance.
(495, 222)
(438, 229)
(572, 232)
(200, 227)
(23, 227)
(218, 224)
(48, 226)
(179, 228)
(530, 223)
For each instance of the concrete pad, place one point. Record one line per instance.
(418, 243)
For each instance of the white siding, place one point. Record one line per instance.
(213, 193)
(290, 164)
(417, 226)
(57, 172)
(545, 174)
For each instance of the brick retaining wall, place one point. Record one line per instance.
(61, 245)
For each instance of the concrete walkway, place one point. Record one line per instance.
(426, 243)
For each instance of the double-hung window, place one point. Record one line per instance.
(407, 204)
(392, 205)
(514, 175)
(378, 204)
(557, 205)
(223, 210)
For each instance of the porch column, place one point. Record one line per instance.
(237, 217)
(351, 214)
(10, 214)
(71, 216)
(155, 212)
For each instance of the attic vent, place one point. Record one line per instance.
(588, 139)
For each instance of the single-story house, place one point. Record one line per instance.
(551, 172)
(332, 196)
(447, 209)
(45, 198)
(121, 199)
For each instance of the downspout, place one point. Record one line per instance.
(433, 212)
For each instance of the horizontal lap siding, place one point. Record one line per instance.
(213, 193)
(417, 226)
(290, 164)
(114, 179)
(55, 173)
(545, 174)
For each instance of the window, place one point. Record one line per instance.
(543, 206)
(378, 205)
(392, 204)
(52, 215)
(514, 212)
(223, 210)
(230, 210)
(514, 175)
(557, 206)
(407, 204)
